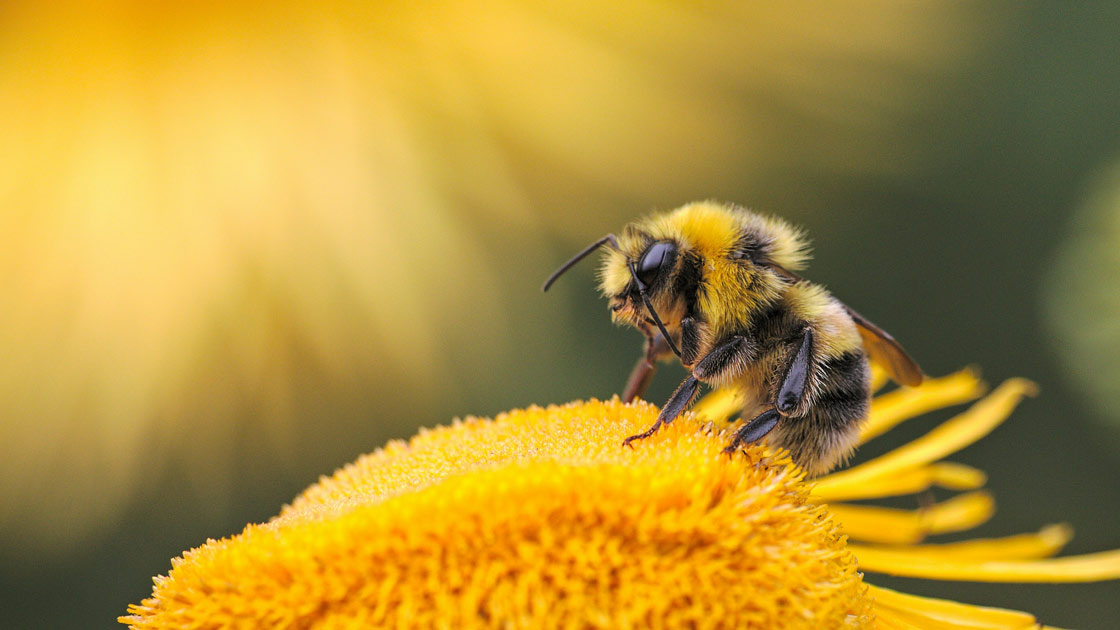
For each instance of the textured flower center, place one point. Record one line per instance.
(537, 519)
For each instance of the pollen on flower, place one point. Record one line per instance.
(538, 518)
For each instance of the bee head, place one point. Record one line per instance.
(711, 261)
(642, 271)
(637, 278)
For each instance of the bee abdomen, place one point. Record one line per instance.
(846, 386)
(828, 430)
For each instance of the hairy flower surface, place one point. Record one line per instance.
(540, 519)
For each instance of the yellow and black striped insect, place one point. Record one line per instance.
(716, 285)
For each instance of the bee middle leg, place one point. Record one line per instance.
(678, 402)
(726, 358)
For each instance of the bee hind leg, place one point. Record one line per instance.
(791, 394)
(754, 430)
(792, 391)
(678, 402)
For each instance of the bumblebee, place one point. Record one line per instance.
(717, 286)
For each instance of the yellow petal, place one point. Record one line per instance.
(879, 377)
(928, 612)
(943, 474)
(890, 619)
(886, 619)
(719, 405)
(951, 436)
(1092, 567)
(1046, 542)
(890, 525)
(888, 410)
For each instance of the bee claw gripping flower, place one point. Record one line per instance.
(540, 519)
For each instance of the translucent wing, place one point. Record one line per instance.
(886, 351)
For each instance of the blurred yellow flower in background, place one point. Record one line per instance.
(1081, 300)
(541, 519)
(212, 209)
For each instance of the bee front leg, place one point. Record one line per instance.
(657, 349)
(725, 361)
(690, 341)
(642, 374)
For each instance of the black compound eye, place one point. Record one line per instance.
(658, 256)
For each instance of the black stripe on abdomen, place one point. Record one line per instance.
(846, 387)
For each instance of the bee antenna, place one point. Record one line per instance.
(652, 312)
(608, 239)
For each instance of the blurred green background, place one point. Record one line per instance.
(241, 244)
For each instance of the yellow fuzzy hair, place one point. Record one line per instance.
(713, 230)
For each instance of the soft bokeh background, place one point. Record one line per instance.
(241, 244)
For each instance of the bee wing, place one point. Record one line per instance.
(886, 351)
(880, 345)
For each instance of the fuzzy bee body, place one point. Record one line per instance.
(823, 426)
(717, 285)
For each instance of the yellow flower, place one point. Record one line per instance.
(540, 519)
